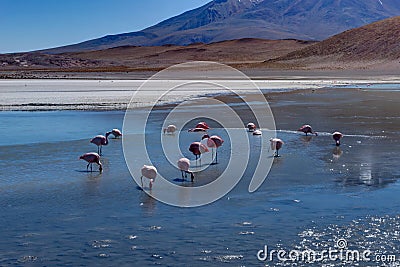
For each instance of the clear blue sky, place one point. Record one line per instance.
(27, 25)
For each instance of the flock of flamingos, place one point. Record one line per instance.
(197, 148)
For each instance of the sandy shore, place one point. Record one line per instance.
(76, 94)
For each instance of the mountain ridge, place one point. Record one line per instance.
(221, 20)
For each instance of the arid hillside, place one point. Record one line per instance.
(235, 52)
(376, 43)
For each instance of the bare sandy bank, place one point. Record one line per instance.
(77, 94)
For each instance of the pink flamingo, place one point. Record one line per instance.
(92, 158)
(251, 126)
(150, 172)
(257, 132)
(197, 130)
(276, 144)
(184, 165)
(213, 142)
(336, 136)
(170, 129)
(100, 140)
(197, 149)
(307, 129)
(117, 133)
(202, 125)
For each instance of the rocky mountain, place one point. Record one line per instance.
(221, 20)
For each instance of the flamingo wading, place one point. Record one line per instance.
(307, 129)
(276, 144)
(184, 165)
(203, 125)
(257, 132)
(150, 172)
(92, 158)
(195, 130)
(251, 127)
(117, 133)
(99, 141)
(213, 142)
(337, 136)
(170, 129)
(197, 149)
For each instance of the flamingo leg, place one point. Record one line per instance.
(91, 167)
(216, 155)
(87, 167)
(141, 180)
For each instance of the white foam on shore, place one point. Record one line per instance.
(49, 94)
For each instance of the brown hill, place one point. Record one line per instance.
(374, 43)
(242, 51)
(235, 52)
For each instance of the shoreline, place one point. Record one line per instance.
(113, 95)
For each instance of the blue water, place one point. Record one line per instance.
(53, 212)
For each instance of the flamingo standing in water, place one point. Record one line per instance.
(257, 132)
(117, 133)
(92, 158)
(203, 125)
(184, 165)
(150, 172)
(276, 144)
(100, 140)
(251, 126)
(336, 136)
(307, 129)
(213, 142)
(197, 149)
(170, 129)
(197, 130)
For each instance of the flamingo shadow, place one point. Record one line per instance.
(139, 188)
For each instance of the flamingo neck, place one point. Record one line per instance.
(107, 134)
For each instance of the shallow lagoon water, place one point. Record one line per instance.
(56, 213)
